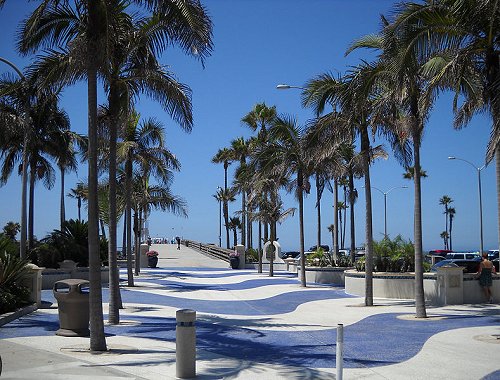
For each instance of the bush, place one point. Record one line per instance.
(12, 294)
(251, 255)
(391, 256)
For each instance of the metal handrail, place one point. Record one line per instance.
(209, 249)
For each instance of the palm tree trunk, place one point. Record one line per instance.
(259, 253)
(137, 240)
(300, 183)
(419, 267)
(318, 215)
(62, 211)
(365, 151)
(128, 215)
(243, 220)
(31, 207)
(79, 205)
(446, 225)
(114, 276)
(352, 229)
(497, 172)
(451, 227)
(336, 218)
(24, 190)
(226, 222)
(103, 228)
(97, 337)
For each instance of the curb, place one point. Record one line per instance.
(9, 317)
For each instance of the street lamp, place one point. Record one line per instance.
(24, 217)
(478, 169)
(220, 215)
(384, 193)
(287, 86)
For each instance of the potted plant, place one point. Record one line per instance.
(234, 260)
(152, 258)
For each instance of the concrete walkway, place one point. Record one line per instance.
(251, 326)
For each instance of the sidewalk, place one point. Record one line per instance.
(253, 326)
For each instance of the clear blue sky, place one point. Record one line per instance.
(259, 44)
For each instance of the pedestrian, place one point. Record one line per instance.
(486, 270)
(178, 240)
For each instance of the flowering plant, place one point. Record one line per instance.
(234, 254)
(152, 254)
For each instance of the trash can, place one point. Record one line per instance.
(73, 305)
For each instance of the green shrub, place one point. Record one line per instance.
(360, 264)
(46, 256)
(393, 255)
(8, 245)
(251, 255)
(12, 294)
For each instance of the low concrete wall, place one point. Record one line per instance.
(325, 275)
(50, 276)
(402, 286)
(265, 266)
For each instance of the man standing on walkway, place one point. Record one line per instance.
(178, 240)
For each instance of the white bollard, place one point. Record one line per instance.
(340, 351)
(185, 340)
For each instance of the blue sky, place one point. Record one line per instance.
(259, 44)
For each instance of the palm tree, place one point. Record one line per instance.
(445, 200)
(223, 156)
(459, 40)
(79, 193)
(225, 196)
(410, 173)
(143, 147)
(185, 24)
(259, 120)
(234, 225)
(451, 215)
(444, 235)
(284, 156)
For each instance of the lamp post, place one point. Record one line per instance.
(219, 189)
(478, 169)
(287, 86)
(384, 193)
(24, 218)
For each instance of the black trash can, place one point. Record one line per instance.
(234, 261)
(73, 306)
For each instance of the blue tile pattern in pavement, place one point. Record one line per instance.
(377, 340)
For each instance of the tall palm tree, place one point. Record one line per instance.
(234, 225)
(185, 24)
(445, 200)
(143, 147)
(460, 41)
(223, 156)
(225, 196)
(79, 193)
(259, 120)
(451, 215)
(285, 157)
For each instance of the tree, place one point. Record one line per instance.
(284, 156)
(225, 196)
(458, 41)
(234, 225)
(143, 148)
(445, 200)
(11, 229)
(451, 215)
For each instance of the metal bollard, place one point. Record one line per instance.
(185, 339)
(340, 351)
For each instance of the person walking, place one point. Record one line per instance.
(486, 270)
(178, 240)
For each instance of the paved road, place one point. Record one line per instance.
(251, 326)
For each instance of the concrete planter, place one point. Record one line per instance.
(325, 275)
(50, 276)
(441, 288)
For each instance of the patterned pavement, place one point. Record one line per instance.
(252, 326)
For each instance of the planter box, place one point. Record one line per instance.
(325, 275)
(438, 288)
(49, 275)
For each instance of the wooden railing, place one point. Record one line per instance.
(209, 249)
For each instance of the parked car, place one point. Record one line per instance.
(290, 254)
(314, 248)
(463, 256)
(493, 254)
(469, 266)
